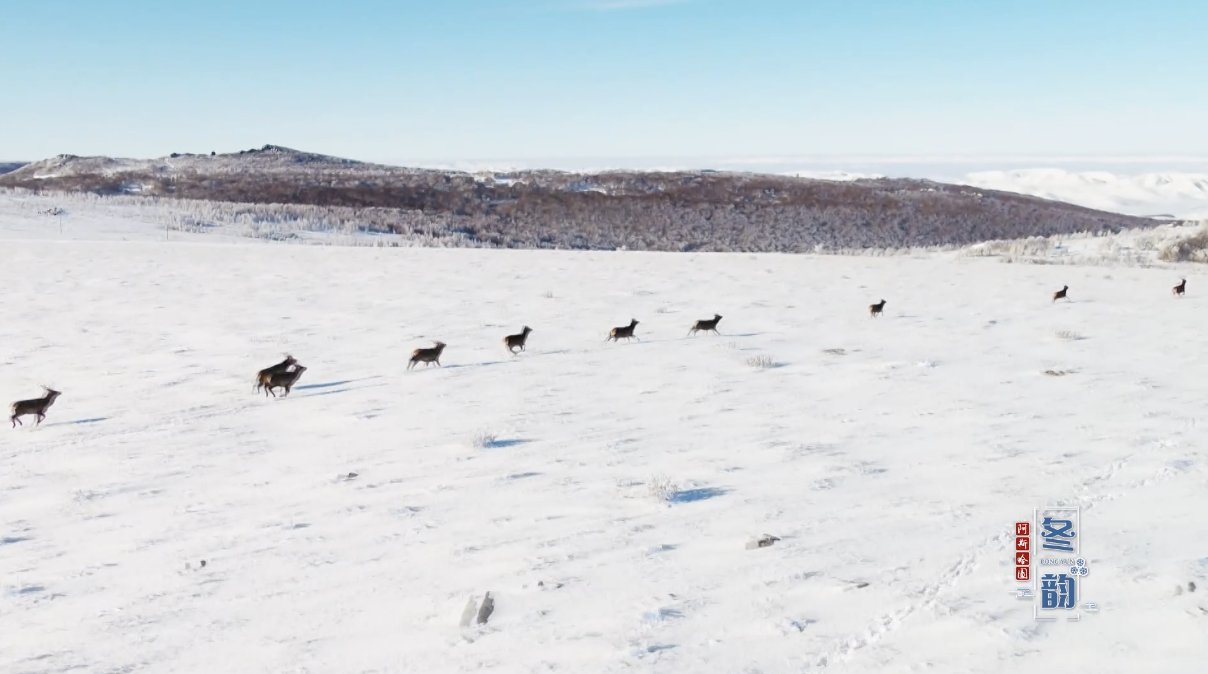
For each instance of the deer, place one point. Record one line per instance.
(1061, 294)
(706, 324)
(513, 342)
(1180, 288)
(285, 380)
(623, 331)
(875, 310)
(263, 376)
(427, 356)
(35, 406)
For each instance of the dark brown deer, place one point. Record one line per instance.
(513, 342)
(264, 375)
(1180, 288)
(1061, 294)
(36, 406)
(427, 356)
(706, 324)
(624, 331)
(285, 380)
(876, 309)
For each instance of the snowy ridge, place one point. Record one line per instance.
(1143, 186)
(700, 210)
(603, 493)
(1181, 195)
(266, 159)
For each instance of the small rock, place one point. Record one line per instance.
(203, 563)
(1191, 586)
(762, 542)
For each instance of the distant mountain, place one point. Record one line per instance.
(1173, 194)
(7, 167)
(683, 210)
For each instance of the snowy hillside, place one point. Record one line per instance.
(1143, 186)
(689, 211)
(603, 493)
(1181, 195)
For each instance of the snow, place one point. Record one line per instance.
(1144, 186)
(1183, 195)
(610, 515)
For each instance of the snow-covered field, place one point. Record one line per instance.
(603, 493)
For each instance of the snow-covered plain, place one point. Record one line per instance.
(609, 513)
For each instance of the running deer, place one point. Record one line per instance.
(1180, 288)
(706, 324)
(36, 406)
(285, 380)
(623, 331)
(513, 342)
(263, 376)
(427, 356)
(1061, 294)
(876, 309)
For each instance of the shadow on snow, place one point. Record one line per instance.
(694, 495)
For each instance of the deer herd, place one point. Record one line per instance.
(284, 375)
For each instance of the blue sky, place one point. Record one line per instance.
(411, 80)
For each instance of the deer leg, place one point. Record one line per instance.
(16, 421)
(41, 416)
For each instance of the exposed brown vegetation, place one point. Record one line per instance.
(676, 211)
(1193, 248)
